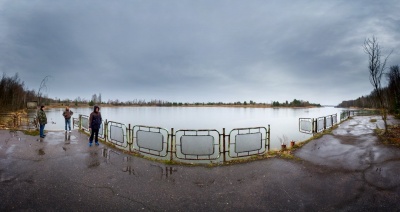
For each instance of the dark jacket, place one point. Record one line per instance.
(67, 114)
(95, 119)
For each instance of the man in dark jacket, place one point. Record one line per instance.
(67, 115)
(95, 121)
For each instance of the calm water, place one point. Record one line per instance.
(283, 121)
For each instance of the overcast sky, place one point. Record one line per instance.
(197, 51)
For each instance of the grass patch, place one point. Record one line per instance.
(31, 132)
(372, 120)
(391, 137)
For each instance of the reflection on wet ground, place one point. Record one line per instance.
(67, 137)
(41, 152)
(93, 160)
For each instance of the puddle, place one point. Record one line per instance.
(129, 170)
(106, 153)
(41, 152)
(169, 171)
(67, 136)
(93, 160)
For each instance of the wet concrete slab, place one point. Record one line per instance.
(348, 170)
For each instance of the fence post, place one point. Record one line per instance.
(172, 144)
(106, 131)
(80, 122)
(313, 126)
(223, 143)
(130, 139)
(269, 137)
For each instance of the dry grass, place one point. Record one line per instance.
(392, 136)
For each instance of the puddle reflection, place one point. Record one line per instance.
(67, 137)
(41, 152)
(128, 168)
(169, 171)
(93, 160)
(106, 153)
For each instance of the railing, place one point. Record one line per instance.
(183, 145)
(317, 125)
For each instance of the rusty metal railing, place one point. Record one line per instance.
(184, 145)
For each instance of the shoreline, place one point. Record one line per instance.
(191, 105)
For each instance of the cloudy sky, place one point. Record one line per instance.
(197, 51)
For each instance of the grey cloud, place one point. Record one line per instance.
(191, 50)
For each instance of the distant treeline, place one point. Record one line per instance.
(295, 103)
(391, 94)
(14, 96)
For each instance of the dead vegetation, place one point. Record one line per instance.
(392, 136)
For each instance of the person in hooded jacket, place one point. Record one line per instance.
(95, 121)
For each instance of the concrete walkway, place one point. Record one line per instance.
(346, 171)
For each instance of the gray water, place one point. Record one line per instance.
(282, 121)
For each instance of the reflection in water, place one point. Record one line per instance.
(128, 168)
(169, 171)
(67, 137)
(106, 153)
(93, 160)
(41, 152)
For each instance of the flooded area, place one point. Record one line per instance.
(284, 122)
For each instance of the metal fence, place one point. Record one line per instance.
(317, 125)
(183, 145)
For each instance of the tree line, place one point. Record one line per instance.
(391, 94)
(295, 103)
(13, 95)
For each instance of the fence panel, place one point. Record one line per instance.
(117, 134)
(85, 123)
(151, 140)
(197, 144)
(328, 122)
(245, 142)
(320, 124)
(306, 125)
(334, 119)
(75, 122)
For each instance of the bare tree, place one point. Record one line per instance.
(376, 69)
(41, 87)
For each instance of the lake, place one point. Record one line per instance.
(282, 121)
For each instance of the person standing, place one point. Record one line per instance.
(94, 125)
(67, 115)
(42, 118)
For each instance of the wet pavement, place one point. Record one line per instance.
(348, 170)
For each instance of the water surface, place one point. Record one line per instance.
(282, 121)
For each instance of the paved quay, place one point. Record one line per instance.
(348, 170)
